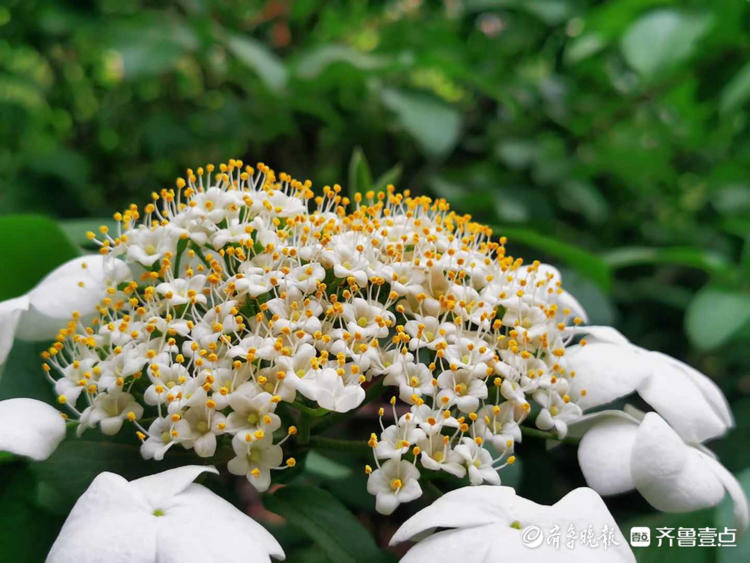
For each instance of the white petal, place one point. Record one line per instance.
(464, 507)
(460, 545)
(566, 300)
(604, 454)
(58, 295)
(10, 314)
(159, 488)
(199, 514)
(349, 398)
(672, 476)
(606, 371)
(109, 522)
(30, 428)
(734, 489)
(675, 395)
(487, 535)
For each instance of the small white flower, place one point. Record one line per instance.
(109, 411)
(251, 412)
(437, 455)
(30, 428)
(255, 456)
(462, 389)
(488, 524)
(180, 291)
(392, 483)
(396, 439)
(478, 462)
(162, 517)
(414, 380)
(331, 391)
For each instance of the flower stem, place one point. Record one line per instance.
(325, 443)
(320, 411)
(542, 435)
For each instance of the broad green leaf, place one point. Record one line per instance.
(256, 56)
(313, 63)
(715, 315)
(32, 246)
(736, 92)
(22, 374)
(360, 177)
(681, 256)
(433, 124)
(325, 467)
(584, 262)
(26, 531)
(322, 517)
(661, 39)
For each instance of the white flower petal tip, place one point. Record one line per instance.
(619, 453)
(671, 475)
(163, 517)
(601, 455)
(609, 367)
(489, 523)
(30, 428)
(10, 314)
(77, 285)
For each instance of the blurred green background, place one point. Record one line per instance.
(609, 138)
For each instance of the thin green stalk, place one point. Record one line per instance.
(542, 435)
(315, 413)
(325, 443)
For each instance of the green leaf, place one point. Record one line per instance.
(582, 197)
(22, 374)
(313, 63)
(433, 124)
(678, 255)
(661, 39)
(715, 315)
(390, 176)
(585, 263)
(34, 245)
(322, 517)
(736, 92)
(583, 47)
(360, 177)
(256, 56)
(325, 468)
(76, 229)
(26, 531)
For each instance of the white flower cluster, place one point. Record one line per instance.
(244, 290)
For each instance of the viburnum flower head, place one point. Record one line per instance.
(243, 302)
